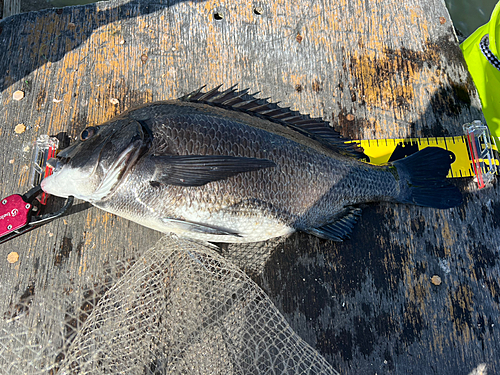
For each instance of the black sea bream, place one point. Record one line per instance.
(226, 167)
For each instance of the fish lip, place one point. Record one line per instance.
(52, 163)
(56, 163)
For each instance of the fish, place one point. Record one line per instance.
(225, 166)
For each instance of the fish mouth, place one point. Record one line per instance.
(110, 178)
(56, 163)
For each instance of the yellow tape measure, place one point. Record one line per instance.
(381, 151)
(473, 152)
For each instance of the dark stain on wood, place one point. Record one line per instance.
(461, 92)
(332, 342)
(413, 323)
(493, 287)
(437, 129)
(461, 307)
(446, 101)
(436, 251)
(364, 336)
(418, 225)
(384, 324)
(353, 94)
(348, 125)
(495, 214)
(377, 81)
(317, 86)
(64, 251)
(447, 47)
(128, 97)
(24, 303)
(483, 258)
(407, 60)
(41, 98)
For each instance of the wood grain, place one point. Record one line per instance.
(10, 7)
(374, 69)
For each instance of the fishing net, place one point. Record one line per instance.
(180, 308)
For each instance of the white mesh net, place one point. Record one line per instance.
(181, 308)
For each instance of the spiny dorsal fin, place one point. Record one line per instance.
(314, 128)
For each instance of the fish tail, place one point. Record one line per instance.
(422, 179)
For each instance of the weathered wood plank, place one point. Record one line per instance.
(374, 69)
(10, 7)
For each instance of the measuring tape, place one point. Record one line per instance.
(475, 153)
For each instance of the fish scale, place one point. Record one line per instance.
(238, 173)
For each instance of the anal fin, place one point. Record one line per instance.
(340, 229)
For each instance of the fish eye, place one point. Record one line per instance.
(88, 132)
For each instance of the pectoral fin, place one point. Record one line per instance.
(340, 229)
(179, 226)
(198, 170)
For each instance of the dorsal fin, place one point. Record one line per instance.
(314, 128)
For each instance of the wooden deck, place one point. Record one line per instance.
(376, 69)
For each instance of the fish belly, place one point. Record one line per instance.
(237, 227)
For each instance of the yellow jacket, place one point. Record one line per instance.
(482, 54)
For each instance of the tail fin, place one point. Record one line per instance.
(422, 178)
